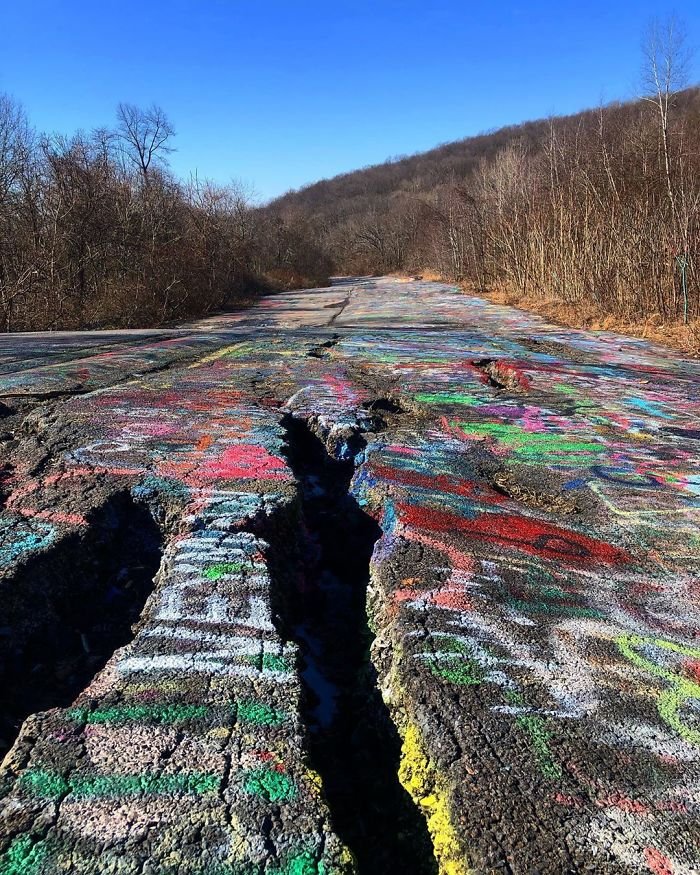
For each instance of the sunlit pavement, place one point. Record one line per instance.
(532, 593)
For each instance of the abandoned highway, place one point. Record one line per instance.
(379, 578)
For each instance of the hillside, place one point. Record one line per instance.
(594, 209)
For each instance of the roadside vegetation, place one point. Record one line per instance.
(591, 218)
(95, 231)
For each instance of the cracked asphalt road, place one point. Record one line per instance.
(530, 499)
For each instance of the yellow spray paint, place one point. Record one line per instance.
(428, 790)
(314, 780)
(220, 353)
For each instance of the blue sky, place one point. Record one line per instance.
(278, 94)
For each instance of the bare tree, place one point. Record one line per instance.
(15, 140)
(145, 134)
(16, 269)
(666, 64)
(665, 72)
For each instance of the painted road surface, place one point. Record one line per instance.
(194, 522)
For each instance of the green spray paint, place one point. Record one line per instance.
(45, 785)
(49, 785)
(239, 350)
(24, 857)
(554, 609)
(536, 728)
(465, 673)
(221, 569)
(533, 445)
(259, 713)
(300, 864)
(303, 863)
(270, 784)
(153, 713)
(539, 735)
(447, 398)
(681, 689)
(270, 662)
(452, 660)
(247, 710)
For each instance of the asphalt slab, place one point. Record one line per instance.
(369, 579)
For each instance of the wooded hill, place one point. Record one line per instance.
(600, 206)
(599, 209)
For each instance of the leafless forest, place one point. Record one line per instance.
(599, 208)
(96, 231)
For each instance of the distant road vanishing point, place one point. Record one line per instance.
(376, 578)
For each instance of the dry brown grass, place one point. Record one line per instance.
(586, 316)
(428, 275)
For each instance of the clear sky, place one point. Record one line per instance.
(278, 94)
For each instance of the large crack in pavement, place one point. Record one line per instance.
(354, 745)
